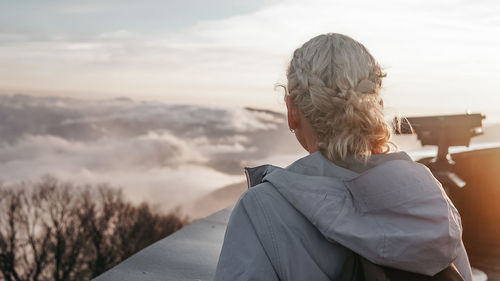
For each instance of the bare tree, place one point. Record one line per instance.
(53, 230)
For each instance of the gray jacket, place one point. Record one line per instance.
(298, 222)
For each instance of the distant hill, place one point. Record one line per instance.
(214, 201)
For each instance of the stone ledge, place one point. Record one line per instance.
(188, 254)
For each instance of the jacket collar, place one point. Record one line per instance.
(255, 175)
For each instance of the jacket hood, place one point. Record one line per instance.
(394, 212)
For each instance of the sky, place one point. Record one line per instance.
(441, 57)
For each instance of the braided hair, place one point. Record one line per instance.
(335, 82)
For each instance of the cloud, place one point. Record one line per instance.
(166, 154)
(159, 169)
(119, 34)
(80, 8)
(81, 120)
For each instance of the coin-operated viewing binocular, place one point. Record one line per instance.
(443, 131)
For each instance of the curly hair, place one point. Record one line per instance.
(335, 82)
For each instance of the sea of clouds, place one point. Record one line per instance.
(169, 155)
(166, 154)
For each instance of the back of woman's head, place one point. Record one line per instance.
(335, 83)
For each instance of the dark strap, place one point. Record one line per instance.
(448, 274)
(357, 268)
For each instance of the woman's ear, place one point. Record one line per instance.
(292, 113)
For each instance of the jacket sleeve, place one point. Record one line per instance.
(462, 263)
(242, 256)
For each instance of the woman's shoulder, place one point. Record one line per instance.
(294, 245)
(262, 195)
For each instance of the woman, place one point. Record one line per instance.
(349, 195)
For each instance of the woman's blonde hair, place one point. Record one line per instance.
(335, 82)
